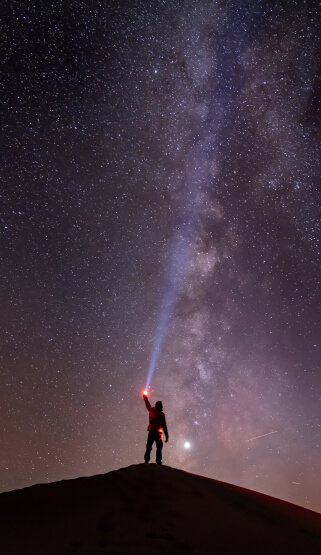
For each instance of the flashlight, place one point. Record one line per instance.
(145, 393)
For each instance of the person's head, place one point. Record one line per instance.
(159, 405)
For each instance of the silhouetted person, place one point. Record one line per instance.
(156, 427)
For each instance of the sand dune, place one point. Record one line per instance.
(149, 509)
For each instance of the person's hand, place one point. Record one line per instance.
(166, 440)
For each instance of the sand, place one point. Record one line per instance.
(150, 509)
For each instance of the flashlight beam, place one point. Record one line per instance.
(173, 285)
(258, 437)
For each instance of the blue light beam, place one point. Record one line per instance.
(175, 275)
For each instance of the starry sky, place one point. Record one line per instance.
(161, 156)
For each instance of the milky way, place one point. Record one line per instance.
(148, 146)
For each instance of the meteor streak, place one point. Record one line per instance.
(257, 437)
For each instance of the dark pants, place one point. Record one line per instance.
(158, 438)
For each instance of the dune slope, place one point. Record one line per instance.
(146, 508)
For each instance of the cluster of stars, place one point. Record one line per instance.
(145, 146)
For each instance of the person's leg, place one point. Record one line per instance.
(149, 445)
(159, 447)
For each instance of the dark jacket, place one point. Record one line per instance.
(157, 421)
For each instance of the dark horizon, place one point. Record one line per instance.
(146, 507)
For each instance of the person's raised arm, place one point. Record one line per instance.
(147, 403)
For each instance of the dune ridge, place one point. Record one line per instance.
(146, 508)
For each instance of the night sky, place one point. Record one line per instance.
(162, 156)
